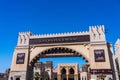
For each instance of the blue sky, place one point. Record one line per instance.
(53, 16)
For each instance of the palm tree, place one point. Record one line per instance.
(46, 76)
(36, 76)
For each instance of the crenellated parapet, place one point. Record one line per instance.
(97, 33)
(23, 38)
(60, 34)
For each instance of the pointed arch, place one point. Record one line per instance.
(63, 71)
(71, 71)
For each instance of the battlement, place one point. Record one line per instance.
(23, 38)
(97, 33)
(97, 28)
(60, 34)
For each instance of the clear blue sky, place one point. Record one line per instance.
(52, 16)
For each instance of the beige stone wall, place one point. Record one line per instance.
(86, 50)
(117, 57)
(18, 74)
(99, 65)
(67, 67)
(19, 67)
(117, 48)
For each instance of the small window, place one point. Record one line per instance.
(71, 71)
(63, 71)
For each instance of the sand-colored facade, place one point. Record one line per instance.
(91, 45)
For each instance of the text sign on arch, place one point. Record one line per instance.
(99, 55)
(20, 58)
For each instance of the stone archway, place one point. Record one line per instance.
(71, 71)
(90, 45)
(56, 52)
(63, 76)
(17, 78)
(63, 71)
(71, 74)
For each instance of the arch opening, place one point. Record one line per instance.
(63, 71)
(71, 71)
(17, 78)
(58, 52)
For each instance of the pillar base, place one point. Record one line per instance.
(17, 74)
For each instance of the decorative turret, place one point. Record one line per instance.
(23, 38)
(97, 33)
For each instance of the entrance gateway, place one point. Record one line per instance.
(91, 45)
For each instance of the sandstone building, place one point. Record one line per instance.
(91, 45)
(62, 71)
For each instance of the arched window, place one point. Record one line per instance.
(71, 71)
(63, 71)
(11, 78)
(17, 78)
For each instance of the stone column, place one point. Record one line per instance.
(67, 76)
(59, 77)
(76, 77)
(67, 73)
